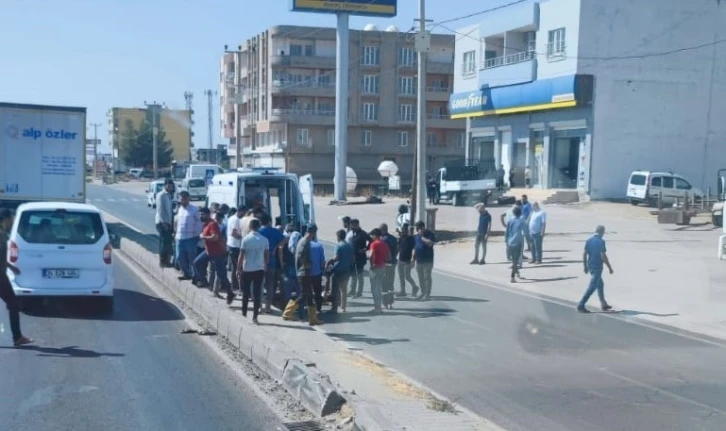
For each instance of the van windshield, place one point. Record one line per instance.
(60, 227)
(197, 183)
(637, 180)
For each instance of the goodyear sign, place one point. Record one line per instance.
(376, 8)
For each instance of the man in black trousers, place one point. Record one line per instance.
(6, 289)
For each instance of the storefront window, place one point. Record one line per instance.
(482, 149)
(565, 158)
(536, 148)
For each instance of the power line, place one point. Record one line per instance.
(481, 12)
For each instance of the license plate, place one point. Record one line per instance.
(56, 273)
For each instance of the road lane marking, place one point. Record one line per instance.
(111, 200)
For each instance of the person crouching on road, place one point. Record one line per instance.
(254, 257)
(306, 267)
(514, 237)
(379, 257)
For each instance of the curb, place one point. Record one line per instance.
(301, 379)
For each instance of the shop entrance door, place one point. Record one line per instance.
(565, 157)
(482, 149)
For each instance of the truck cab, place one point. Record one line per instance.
(284, 196)
(460, 182)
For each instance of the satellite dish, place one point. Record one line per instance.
(388, 168)
(392, 29)
(351, 179)
(370, 27)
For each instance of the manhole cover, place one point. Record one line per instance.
(304, 426)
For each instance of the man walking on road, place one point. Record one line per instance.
(537, 227)
(423, 258)
(254, 257)
(164, 220)
(6, 289)
(514, 238)
(379, 257)
(526, 213)
(390, 273)
(406, 245)
(482, 234)
(343, 260)
(594, 258)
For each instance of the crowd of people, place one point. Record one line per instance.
(240, 251)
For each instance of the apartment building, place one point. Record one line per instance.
(176, 123)
(282, 85)
(585, 91)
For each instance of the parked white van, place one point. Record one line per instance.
(196, 187)
(154, 188)
(285, 198)
(645, 186)
(61, 249)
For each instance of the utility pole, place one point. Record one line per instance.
(154, 108)
(95, 148)
(342, 51)
(422, 46)
(189, 103)
(210, 122)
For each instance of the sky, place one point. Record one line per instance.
(109, 53)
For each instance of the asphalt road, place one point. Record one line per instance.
(525, 363)
(132, 370)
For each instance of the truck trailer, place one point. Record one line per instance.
(42, 154)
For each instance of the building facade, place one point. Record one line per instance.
(281, 83)
(176, 123)
(585, 91)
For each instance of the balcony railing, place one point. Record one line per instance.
(407, 118)
(437, 89)
(515, 58)
(437, 116)
(284, 84)
(302, 112)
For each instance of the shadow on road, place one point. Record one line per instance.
(646, 313)
(65, 352)
(358, 338)
(130, 306)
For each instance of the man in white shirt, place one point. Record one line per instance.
(254, 257)
(188, 228)
(234, 243)
(245, 222)
(537, 227)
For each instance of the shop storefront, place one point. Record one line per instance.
(545, 126)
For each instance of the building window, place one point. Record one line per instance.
(556, 43)
(309, 50)
(406, 85)
(324, 80)
(370, 84)
(366, 138)
(407, 57)
(469, 64)
(461, 140)
(371, 56)
(437, 112)
(303, 137)
(326, 108)
(402, 139)
(531, 38)
(296, 49)
(430, 139)
(302, 50)
(370, 111)
(331, 137)
(406, 113)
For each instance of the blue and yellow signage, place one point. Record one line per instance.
(377, 8)
(560, 92)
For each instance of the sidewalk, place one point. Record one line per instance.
(663, 273)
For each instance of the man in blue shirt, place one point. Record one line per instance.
(514, 237)
(317, 259)
(526, 213)
(341, 271)
(423, 258)
(594, 258)
(482, 234)
(275, 238)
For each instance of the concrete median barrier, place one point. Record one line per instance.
(311, 387)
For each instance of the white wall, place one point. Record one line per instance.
(656, 112)
(554, 14)
(467, 39)
(325, 48)
(441, 53)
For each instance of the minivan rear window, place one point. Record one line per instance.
(637, 180)
(60, 227)
(197, 183)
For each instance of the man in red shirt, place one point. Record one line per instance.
(379, 257)
(215, 250)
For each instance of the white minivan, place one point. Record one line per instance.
(646, 186)
(154, 188)
(61, 249)
(196, 187)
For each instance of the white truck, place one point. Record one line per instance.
(718, 206)
(42, 154)
(460, 182)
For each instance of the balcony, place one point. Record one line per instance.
(303, 61)
(308, 88)
(516, 68)
(407, 118)
(440, 68)
(312, 117)
(437, 94)
(442, 121)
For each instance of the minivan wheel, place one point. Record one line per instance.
(634, 202)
